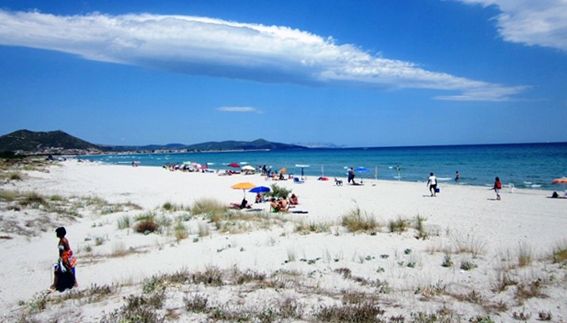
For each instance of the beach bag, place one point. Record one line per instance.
(437, 190)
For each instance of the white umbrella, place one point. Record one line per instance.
(248, 167)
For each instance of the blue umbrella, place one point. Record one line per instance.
(259, 189)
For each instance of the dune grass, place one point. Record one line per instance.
(356, 220)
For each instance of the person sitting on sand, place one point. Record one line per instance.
(259, 198)
(64, 270)
(293, 200)
(243, 205)
(274, 205)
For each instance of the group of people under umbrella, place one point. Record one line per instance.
(276, 205)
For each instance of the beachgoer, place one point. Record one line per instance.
(274, 205)
(554, 195)
(293, 200)
(284, 206)
(497, 187)
(259, 198)
(350, 177)
(432, 183)
(244, 204)
(457, 176)
(64, 270)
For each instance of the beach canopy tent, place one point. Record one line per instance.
(234, 165)
(248, 167)
(259, 189)
(302, 166)
(243, 186)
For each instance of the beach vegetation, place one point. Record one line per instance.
(521, 316)
(14, 176)
(559, 252)
(467, 265)
(361, 312)
(312, 227)
(211, 208)
(525, 256)
(172, 207)
(146, 223)
(210, 276)
(398, 225)
(33, 200)
(243, 277)
(356, 220)
(278, 191)
(419, 226)
(124, 222)
(141, 309)
(447, 261)
(527, 290)
(544, 316)
(468, 244)
(99, 241)
(181, 232)
(503, 280)
(196, 303)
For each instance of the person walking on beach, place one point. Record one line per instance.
(351, 176)
(432, 183)
(497, 187)
(64, 270)
(457, 177)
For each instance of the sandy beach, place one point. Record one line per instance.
(459, 256)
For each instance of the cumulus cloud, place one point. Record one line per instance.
(238, 109)
(206, 46)
(531, 22)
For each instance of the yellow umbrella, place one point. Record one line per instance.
(243, 186)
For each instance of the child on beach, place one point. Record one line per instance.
(497, 187)
(64, 270)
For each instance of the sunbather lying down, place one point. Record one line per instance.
(243, 205)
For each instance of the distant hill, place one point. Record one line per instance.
(243, 145)
(259, 144)
(31, 141)
(61, 142)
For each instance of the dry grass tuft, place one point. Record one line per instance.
(399, 225)
(356, 221)
(213, 209)
(529, 290)
(468, 244)
(559, 252)
(525, 254)
(146, 223)
(361, 312)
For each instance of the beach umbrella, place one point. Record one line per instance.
(243, 186)
(234, 165)
(259, 189)
(248, 167)
(302, 166)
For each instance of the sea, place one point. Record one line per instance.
(531, 166)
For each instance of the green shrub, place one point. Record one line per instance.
(181, 231)
(278, 191)
(209, 207)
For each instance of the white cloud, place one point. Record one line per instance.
(531, 22)
(206, 46)
(238, 109)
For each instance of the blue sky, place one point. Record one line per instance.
(353, 73)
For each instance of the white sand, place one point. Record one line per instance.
(459, 213)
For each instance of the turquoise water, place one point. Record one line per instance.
(524, 165)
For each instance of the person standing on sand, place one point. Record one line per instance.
(497, 187)
(350, 175)
(457, 177)
(432, 183)
(64, 270)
